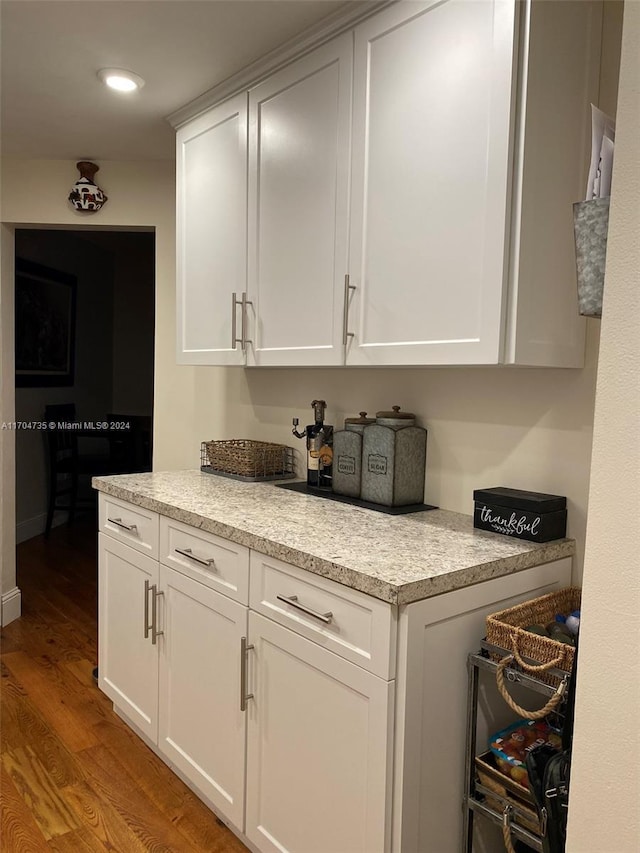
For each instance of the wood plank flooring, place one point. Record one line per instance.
(73, 777)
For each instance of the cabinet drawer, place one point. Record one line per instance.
(136, 526)
(220, 564)
(355, 626)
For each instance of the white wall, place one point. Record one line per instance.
(9, 593)
(487, 427)
(604, 810)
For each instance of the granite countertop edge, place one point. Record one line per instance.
(392, 593)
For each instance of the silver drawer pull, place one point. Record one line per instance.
(147, 627)
(120, 523)
(293, 601)
(234, 304)
(155, 594)
(244, 696)
(187, 552)
(242, 340)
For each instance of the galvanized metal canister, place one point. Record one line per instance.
(347, 463)
(393, 464)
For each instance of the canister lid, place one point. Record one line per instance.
(363, 419)
(395, 415)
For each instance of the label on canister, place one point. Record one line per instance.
(377, 464)
(346, 464)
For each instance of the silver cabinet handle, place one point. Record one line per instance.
(147, 627)
(243, 323)
(187, 552)
(154, 614)
(234, 305)
(346, 334)
(293, 601)
(243, 302)
(120, 523)
(244, 696)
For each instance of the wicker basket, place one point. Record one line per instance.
(245, 459)
(508, 790)
(506, 629)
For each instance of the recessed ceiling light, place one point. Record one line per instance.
(120, 80)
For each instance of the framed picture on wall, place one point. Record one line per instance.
(45, 313)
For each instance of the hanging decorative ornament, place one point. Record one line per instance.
(86, 194)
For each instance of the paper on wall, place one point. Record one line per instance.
(606, 166)
(603, 134)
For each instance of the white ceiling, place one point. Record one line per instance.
(54, 106)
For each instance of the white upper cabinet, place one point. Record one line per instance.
(470, 124)
(410, 192)
(211, 233)
(299, 144)
(432, 106)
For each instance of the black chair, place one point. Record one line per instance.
(66, 464)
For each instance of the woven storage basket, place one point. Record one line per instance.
(506, 629)
(247, 459)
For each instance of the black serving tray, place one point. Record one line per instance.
(305, 489)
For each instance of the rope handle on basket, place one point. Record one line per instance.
(506, 829)
(529, 667)
(522, 712)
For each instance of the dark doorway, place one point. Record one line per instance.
(109, 325)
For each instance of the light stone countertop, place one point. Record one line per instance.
(398, 559)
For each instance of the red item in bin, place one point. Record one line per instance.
(511, 745)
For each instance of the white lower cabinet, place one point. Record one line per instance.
(311, 717)
(318, 748)
(201, 726)
(128, 667)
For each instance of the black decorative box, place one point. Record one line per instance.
(523, 515)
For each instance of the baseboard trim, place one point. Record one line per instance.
(11, 606)
(35, 526)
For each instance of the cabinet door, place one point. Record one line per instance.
(128, 661)
(431, 152)
(318, 748)
(202, 729)
(299, 135)
(211, 163)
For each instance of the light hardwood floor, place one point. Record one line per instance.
(74, 777)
